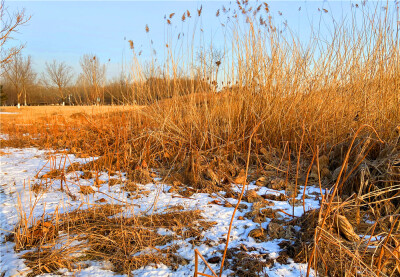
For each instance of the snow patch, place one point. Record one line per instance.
(19, 172)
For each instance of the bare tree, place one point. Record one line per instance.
(9, 24)
(59, 75)
(19, 72)
(3, 96)
(93, 75)
(209, 60)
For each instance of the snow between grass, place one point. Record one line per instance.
(19, 168)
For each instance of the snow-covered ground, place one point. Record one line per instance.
(19, 171)
(4, 137)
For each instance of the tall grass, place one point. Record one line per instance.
(291, 95)
(328, 87)
(279, 80)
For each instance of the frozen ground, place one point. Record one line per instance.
(19, 171)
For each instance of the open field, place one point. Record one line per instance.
(32, 113)
(291, 168)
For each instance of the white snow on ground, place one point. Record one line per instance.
(18, 171)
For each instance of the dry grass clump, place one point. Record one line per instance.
(39, 233)
(102, 232)
(356, 230)
(371, 172)
(159, 88)
(347, 247)
(244, 264)
(50, 260)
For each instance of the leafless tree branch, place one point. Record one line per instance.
(10, 24)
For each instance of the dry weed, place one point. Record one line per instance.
(128, 243)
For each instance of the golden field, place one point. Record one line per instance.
(27, 113)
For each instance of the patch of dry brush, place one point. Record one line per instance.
(102, 232)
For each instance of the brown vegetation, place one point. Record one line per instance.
(329, 117)
(100, 232)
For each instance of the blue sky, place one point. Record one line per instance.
(65, 30)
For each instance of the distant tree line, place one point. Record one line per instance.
(20, 84)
